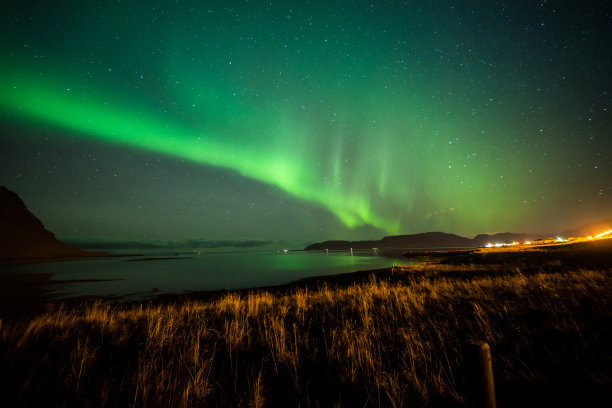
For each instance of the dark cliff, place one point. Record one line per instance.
(23, 236)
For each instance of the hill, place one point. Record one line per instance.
(24, 237)
(483, 239)
(424, 240)
(443, 240)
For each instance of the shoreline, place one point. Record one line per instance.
(331, 340)
(25, 295)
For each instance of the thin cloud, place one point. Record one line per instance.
(190, 243)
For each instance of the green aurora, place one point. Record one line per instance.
(290, 172)
(405, 118)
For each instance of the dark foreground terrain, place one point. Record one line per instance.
(382, 338)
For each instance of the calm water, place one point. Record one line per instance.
(211, 271)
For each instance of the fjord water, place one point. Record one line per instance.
(135, 277)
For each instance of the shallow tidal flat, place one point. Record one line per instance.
(382, 338)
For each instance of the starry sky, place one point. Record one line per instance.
(263, 121)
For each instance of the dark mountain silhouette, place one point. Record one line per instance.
(444, 240)
(425, 240)
(507, 237)
(23, 236)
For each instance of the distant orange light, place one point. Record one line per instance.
(608, 232)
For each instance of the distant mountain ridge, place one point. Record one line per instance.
(425, 240)
(444, 240)
(22, 234)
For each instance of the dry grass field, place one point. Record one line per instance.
(380, 339)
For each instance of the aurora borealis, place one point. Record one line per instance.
(306, 120)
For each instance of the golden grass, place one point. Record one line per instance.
(378, 342)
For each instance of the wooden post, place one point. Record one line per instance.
(480, 374)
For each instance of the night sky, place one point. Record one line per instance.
(306, 120)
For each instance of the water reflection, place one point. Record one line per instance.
(137, 276)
